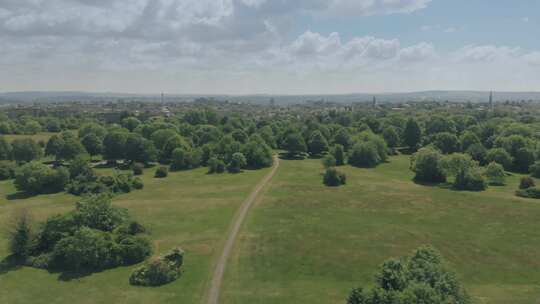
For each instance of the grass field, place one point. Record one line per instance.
(188, 209)
(42, 136)
(306, 243)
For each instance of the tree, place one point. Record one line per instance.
(317, 144)
(534, 169)
(339, 154)
(295, 145)
(427, 166)
(139, 149)
(364, 154)
(238, 162)
(185, 159)
(495, 174)
(468, 139)
(92, 144)
(439, 124)
(161, 172)
(422, 277)
(173, 143)
(97, 212)
(446, 142)
(391, 136)
(80, 166)
(258, 153)
(412, 135)
(114, 145)
(92, 128)
(334, 178)
(500, 156)
(526, 182)
(130, 123)
(216, 165)
(21, 236)
(465, 172)
(343, 138)
(5, 149)
(70, 149)
(161, 137)
(25, 150)
(478, 153)
(523, 160)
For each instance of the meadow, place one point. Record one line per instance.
(189, 209)
(307, 243)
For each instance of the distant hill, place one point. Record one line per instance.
(453, 96)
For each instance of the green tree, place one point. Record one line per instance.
(495, 174)
(25, 150)
(343, 138)
(339, 154)
(391, 136)
(238, 162)
(130, 123)
(295, 145)
(114, 145)
(334, 178)
(328, 161)
(5, 149)
(258, 153)
(92, 144)
(364, 154)
(500, 156)
(21, 236)
(317, 144)
(446, 142)
(427, 166)
(412, 135)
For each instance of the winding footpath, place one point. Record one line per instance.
(213, 293)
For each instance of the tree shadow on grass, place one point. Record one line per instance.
(18, 196)
(287, 156)
(67, 276)
(441, 185)
(8, 264)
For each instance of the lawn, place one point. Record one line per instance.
(188, 209)
(306, 243)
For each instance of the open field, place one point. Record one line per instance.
(306, 243)
(188, 209)
(41, 136)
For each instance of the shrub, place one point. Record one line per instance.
(427, 164)
(472, 181)
(532, 192)
(526, 183)
(495, 174)
(20, 236)
(364, 154)
(159, 271)
(162, 172)
(216, 165)
(138, 169)
(36, 178)
(339, 154)
(138, 183)
(334, 178)
(328, 161)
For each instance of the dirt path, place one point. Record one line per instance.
(213, 293)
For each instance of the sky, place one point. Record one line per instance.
(269, 46)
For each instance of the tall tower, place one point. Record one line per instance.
(374, 101)
(491, 100)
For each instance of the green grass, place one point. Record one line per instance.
(306, 243)
(41, 136)
(188, 209)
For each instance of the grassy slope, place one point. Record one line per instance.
(189, 209)
(306, 243)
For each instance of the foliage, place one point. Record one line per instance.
(25, 150)
(338, 152)
(328, 161)
(317, 144)
(162, 172)
(532, 192)
(364, 154)
(427, 166)
(20, 236)
(238, 162)
(446, 142)
(334, 178)
(501, 157)
(5, 149)
(295, 145)
(412, 135)
(422, 277)
(526, 182)
(159, 271)
(36, 178)
(495, 174)
(7, 170)
(137, 168)
(216, 165)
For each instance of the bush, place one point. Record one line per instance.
(7, 170)
(339, 154)
(137, 183)
(216, 165)
(532, 192)
(534, 169)
(159, 271)
(427, 164)
(472, 181)
(495, 174)
(162, 172)
(334, 178)
(36, 178)
(365, 155)
(501, 157)
(20, 236)
(526, 183)
(138, 169)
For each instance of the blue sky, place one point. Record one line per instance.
(269, 46)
